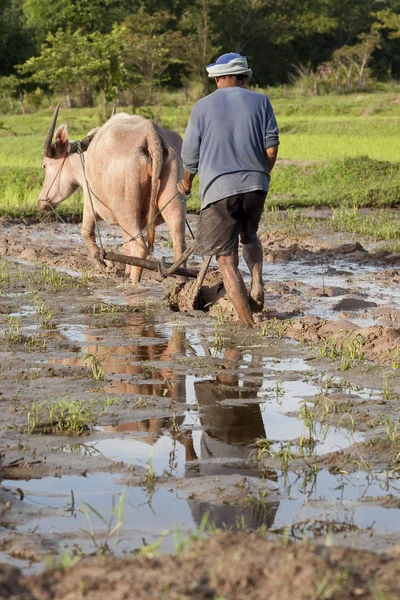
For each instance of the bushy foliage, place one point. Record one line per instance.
(81, 47)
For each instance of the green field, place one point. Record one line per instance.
(335, 150)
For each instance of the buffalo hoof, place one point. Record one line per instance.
(98, 263)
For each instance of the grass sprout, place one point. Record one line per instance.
(74, 417)
(106, 544)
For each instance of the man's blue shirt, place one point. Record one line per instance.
(225, 142)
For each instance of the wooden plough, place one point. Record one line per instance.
(166, 269)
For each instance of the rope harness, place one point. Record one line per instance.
(79, 150)
(48, 191)
(141, 233)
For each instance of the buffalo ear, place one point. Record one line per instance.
(61, 142)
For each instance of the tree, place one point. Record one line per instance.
(352, 17)
(201, 44)
(352, 61)
(152, 46)
(272, 33)
(387, 61)
(9, 87)
(16, 43)
(74, 62)
(170, 40)
(87, 16)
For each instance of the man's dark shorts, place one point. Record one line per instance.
(222, 222)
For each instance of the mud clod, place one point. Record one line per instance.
(181, 297)
(351, 303)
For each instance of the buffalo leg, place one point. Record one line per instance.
(88, 231)
(136, 248)
(174, 214)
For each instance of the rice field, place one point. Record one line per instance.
(335, 150)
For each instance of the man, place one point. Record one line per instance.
(232, 141)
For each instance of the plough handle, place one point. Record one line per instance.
(150, 265)
(167, 270)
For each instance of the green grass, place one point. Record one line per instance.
(66, 415)
(330, 146)
(379, 224)
(20, 189)
(358, 181)
(292, 103)
(337, 150)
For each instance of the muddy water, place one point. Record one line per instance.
(354, 279)
(62, 503)
(210, 430)
(192, 401)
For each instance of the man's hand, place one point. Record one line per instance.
(184, 186)
(272, 154)
(182, 189)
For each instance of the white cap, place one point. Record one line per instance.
(229, 64)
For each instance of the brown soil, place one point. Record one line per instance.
(280, 246)
(379, 342)
(237, 567)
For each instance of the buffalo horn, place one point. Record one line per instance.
(50, 133)
(114, 110)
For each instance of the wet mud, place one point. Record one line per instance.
(134, 420)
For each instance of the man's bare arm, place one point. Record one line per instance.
(185, 184)
(272, 154)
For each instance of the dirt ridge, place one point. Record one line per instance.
(230, 566)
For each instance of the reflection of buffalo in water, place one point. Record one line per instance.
(153, 426)
(123, 360)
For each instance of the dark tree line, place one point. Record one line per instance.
(81, 47)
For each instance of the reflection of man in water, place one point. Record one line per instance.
(229, 434)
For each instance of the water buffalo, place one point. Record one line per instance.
(132, 166)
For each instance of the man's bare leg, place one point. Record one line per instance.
(235, 288)
(253, 255)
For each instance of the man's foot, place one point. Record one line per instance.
(235, 288)
(256, 301)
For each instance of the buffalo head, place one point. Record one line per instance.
(59, 182)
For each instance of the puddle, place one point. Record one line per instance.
(319, 276)
(25, 311)
(223, 414)
(75, 333)
(303, 506)
(13, 294)
(142, 368)
(285, 364)
(351, 500)
(214, 434)
(70, 272)
(146, 516)
(225, 423)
